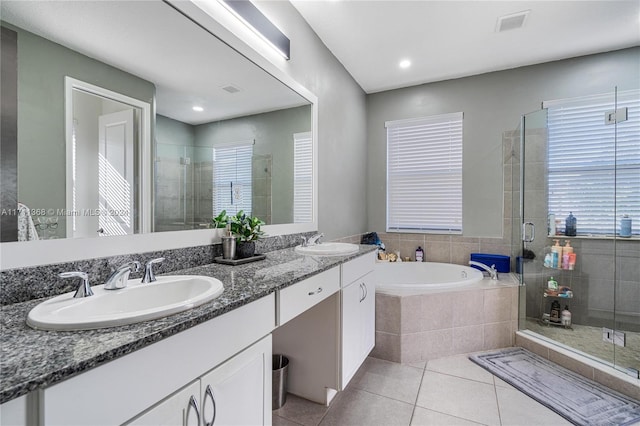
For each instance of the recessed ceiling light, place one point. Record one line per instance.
(405, 63)
(198, 109)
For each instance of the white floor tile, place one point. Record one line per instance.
(354, 407)
(467, 399)
(424, 417)
(388, 379)
(460, 366)
(301, 411)
(517, 409)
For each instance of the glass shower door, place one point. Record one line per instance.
(555, 175)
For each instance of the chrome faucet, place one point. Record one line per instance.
(119, 278)
(149, 275)
(314, 240)
(84, 290)
(304, 241)
(493, 272)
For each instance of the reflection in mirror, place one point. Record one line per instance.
(203, 98)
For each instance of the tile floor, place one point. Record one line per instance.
(445, 391)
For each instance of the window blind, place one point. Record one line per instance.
(232, 178)
(302, 177)
(424, 174)
(594, 168)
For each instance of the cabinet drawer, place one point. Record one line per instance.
(358, 267)
(301, 296)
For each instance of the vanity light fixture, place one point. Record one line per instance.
(248, 13)
(405, 63)
(198, 108)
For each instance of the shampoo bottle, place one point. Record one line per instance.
(552, 284)
(565, 317)
(567, 250)
(625, 226)
(419, 254)
(570, 229)
(556, 254)
(555, 312)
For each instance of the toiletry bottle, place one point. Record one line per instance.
(625, 226)
(552, 284)
(556, 254)
(548, 262)
(570, 229)
(555, 312)
(419, 254)
(551, 224)
(566, 316)
(572, 261)
(566, 252)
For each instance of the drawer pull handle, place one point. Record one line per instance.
(193, 404)
(209, 394)
(311, 293)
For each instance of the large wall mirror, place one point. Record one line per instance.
(131, 118)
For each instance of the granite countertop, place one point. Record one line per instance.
(32, 359)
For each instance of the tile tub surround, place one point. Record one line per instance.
(440, 323)
(20, 285)
(32, 359)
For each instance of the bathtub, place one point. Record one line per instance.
(416, 277)
(429, 310)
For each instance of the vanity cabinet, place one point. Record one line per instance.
(329, 341)
(237, 392)
(358, 324)
(119, 391)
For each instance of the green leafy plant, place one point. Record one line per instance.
(246, 228)
(220, 221)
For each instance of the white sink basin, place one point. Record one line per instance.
(328, 249)
(136, 302)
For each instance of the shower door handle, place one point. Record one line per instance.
(530, 237)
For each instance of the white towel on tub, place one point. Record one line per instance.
(26, 228)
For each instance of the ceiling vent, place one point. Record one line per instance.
(231, 88)
(512, 22)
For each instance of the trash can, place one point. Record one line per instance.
(280, 366)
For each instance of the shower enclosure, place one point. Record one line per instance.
(580, 157)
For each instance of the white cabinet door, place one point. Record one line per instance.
(368, 316)
(358, 325)
(180, 409)
(351, 299)
(239, 391)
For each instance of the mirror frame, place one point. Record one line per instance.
(218, 21)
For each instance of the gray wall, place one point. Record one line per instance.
(342, 147)
(492, 103)
(42, 66)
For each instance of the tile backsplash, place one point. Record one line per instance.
(22, 284)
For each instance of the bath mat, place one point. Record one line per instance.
(576, 398)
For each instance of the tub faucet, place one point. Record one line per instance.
(120, 276)
(493, 272)
(314, 240)
(149, 275)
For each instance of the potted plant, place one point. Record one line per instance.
(246, 230)
(219, 223)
